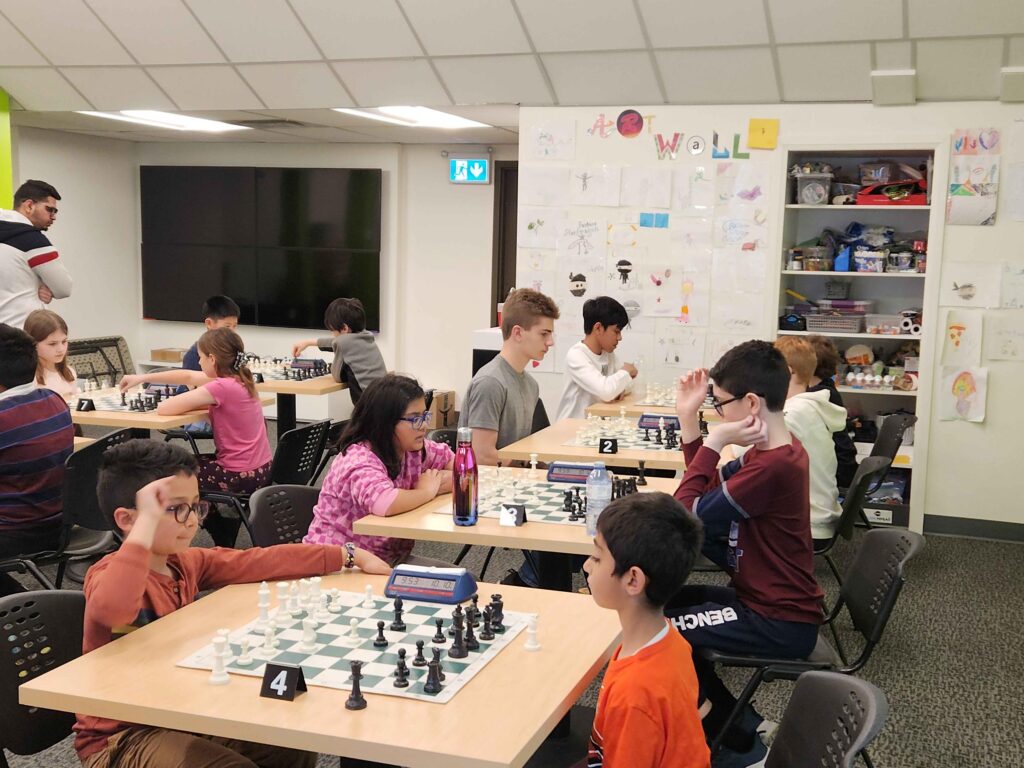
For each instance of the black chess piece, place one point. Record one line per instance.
(433, 683)
(567, 505)
(657, 437)
(356, 700)
(458, 649)
(439, 635)
(485, 632)
(124, 399)
(473, 612)
(401, 670)
(647, 435)
(380, 641)
(497, 614)
(632, 485)
(457, 620)
(398, 625)
(640, 479)
(472, 644)
(420, 660)
(702, 424)
(437, 659)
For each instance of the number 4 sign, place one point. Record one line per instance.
(283, 681)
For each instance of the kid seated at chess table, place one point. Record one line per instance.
(218, 312)
(385, 467)
(647, 717)
(225, 385)
(151, 493)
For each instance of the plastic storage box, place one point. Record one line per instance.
(884, 325)
(813, 188)
(857, 306)
(835, 323)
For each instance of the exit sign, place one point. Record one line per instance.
(467, 170)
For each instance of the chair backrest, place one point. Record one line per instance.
(540, 418)
(298, 453)
(40, 631)
(890, 436)
(99, 357)
(874, 580)
(870, 472)
(830, 719)
(281, 514)
(334, 433)
(82, 471)
(447, 435)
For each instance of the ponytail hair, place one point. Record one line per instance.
(39, 324)
(228, 352)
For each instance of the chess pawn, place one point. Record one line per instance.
(420, 660)
(353, 629)
(335, 605)
(267, 651)
(219, 675)
(244, 658)
(368, 598)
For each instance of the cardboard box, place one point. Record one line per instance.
(443, 409)
(168, 354)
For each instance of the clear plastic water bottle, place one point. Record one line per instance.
(465, 480)
(599, 493)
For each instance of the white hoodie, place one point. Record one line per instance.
(812, 418)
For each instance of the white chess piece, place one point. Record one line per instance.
(661, 423)
(353, 629)
(226, 634)
(368, 600)
(335, 605)
(533, 464)
(219, 676)
(267, 651)
(244, 657)
(308, 643)
(323, 614)
(264, 606)
(293, 600)
(531, 634)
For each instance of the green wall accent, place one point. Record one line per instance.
(6, 159)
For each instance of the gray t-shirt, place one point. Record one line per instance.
(356, 355)
(501, 399)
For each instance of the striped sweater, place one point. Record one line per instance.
(27, 260)
(36, 438)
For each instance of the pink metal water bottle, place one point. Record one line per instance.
(464, 480)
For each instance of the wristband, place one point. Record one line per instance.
(350, 555)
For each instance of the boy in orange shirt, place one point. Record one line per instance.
(151, 492)
(647, 716)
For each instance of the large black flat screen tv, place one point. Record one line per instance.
(282, 242)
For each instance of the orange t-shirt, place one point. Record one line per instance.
(647, 710)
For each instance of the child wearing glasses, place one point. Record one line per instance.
(225, 385)
(149, 490)
(756, 515)
(385, 467)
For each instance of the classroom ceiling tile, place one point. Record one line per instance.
(353, 29)
(15, 50)
(158, 31)
(672, 24)
(820, 21)
(498, 115)
(407, 82)
(61, 121)
(1016, 58)
(582, 25)
(457, 27)
(835, 72)
(255, 30)
(956, 18)
(894, 55)
(295, 86)
(718, 76)
(66, 32)
(505, 79)
(949, 70)
(321, 133)
(205, 87)
(401, 135)
(116, 88)
(41, 88)
(603, 78)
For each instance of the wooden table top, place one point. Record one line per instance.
(634, 410)
(498, 719)
(135, 419)
(319, 385)
(81, 442)
(425, 524)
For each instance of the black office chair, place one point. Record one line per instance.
(281, 514)
(873, 583)
(540, 418)
(41, 631)
(830, 719)
(447, 435)
(889, 440)
(295, 460)
(330, 448)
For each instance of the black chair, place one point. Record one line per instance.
(446, 435)
(41, 631)
(295, 460)
(331, 448)
(830, 719)
(889, 440)
(540, 418)
(873, 583)
(281, 514)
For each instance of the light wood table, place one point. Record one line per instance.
(287, 390)
(498, 719)
(81, 442)
(634, 410)
(134, 419)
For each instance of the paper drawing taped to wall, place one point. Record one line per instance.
(583, 238)
(646, 187)
(543, 185)
(624, 268)
(552, 140)
(596, 185)
(962, 394)
(677, 346)
(741, 184)
(738, 313)
(693, 190)
(539, 227)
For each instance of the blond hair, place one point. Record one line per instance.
(39, 324)
(228, 352)
(799, 356)
(524, 307)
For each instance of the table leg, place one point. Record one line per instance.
(285, 414)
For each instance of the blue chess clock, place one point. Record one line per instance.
(434, 585)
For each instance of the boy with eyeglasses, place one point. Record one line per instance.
(756, 515)
(150, 492)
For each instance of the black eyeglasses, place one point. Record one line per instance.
(50, 210)
(418, 420)
(182, 511)
(720, 404)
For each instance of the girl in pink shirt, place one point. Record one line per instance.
(50, 333)
(386, 467)
(225, 385)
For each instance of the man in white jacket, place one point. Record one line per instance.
(812, 419)
(592, 373)
(31, 271)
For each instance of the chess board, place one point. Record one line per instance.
(628, 436)
(281, 368)
(544, 501)
(329, 664)
(110, 400)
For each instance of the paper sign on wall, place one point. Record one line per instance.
(962, 394)
(762, 133)
(1004, 335)
(961, 343)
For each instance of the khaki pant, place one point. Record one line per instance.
(143, 747)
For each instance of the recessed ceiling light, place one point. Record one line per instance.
(169, 120)
(414, 117)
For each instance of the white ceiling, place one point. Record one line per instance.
(295, 59)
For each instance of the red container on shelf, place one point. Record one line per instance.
(911, 192)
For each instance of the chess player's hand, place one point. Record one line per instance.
(44, 293)
(367, 562)
(128, 381)
(691, 390)
(749, 431)
(430, 480)
(630, 369)
(300, 346)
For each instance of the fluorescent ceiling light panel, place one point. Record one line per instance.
(168, 120)
(414, 117)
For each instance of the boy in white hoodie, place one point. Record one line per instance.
(812, 419)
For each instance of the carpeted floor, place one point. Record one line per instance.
(950, 662)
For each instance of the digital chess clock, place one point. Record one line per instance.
(568, 472)
(650, 421)
(433, 585)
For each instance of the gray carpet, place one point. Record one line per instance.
(950, 661)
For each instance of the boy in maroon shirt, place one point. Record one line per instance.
(756, 515)
(151, 491)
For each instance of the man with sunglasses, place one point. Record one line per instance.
(31, 272)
